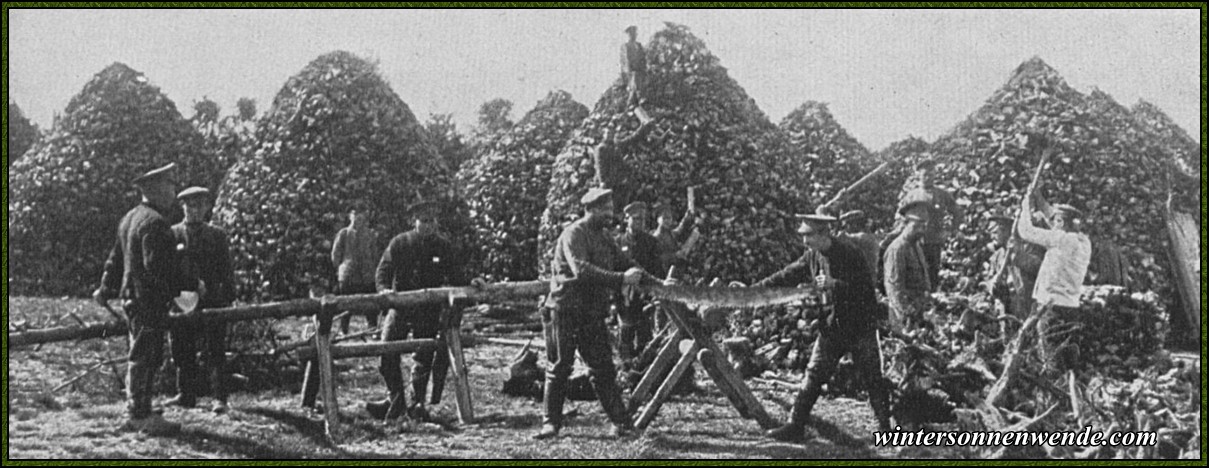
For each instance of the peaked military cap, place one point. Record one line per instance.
(194, 192)
(155, 175)
(595, 195)
(635, 208)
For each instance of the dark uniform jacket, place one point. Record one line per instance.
(143, 265)
(206, 256)
(633, 57)
(642, 249)
(854, 298)
(587, 268)
(413, 261)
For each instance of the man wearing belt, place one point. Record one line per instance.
(417, 259)
(585, 277)
(847, 327)
(144, 270)
(206, 255)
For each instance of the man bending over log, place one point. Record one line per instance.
(848, 325)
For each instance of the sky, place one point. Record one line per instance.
(885, 74)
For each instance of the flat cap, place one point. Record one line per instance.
(1067, 210)
(194, 192)
(635, 208)
(595, 195)
(814, 220)
(423, 207)
(155, 175)
(631, 28)
(662, 207)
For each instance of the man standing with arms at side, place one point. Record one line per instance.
(908, 287)
(633, 67)
(355, 255)
(847, 327)
(585, 277)
(144, 270)
(417, 259)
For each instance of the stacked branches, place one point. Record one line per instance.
(336, 137)
(505, 186)
(71, 189)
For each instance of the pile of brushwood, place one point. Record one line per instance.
(505, 186)
(71, 188)
(707, 133)
(336, 138)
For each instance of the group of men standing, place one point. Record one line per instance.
(150, 264)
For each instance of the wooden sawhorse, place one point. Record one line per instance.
(702, 349)
(319, 359)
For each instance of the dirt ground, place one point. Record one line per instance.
(82, 420)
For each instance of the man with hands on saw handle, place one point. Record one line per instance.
(586, 274)
(848, 321)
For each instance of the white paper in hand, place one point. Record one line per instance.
(187, 301)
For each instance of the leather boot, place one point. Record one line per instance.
(795, 430)
(614, 407)
(552, 421)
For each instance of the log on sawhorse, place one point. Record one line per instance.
(704, 350)
(319, 379)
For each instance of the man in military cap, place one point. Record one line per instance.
(1067, 254)
(206, 256)
(144, 270)
(847, 321)
(939, 204)
(355, 254)
(908, 285)
(675, 240)
(586, 270)
(417, 259)
(642, 249)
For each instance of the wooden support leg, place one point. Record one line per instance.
(327, 384)
(457, 364)
(665, 358)
(665, 389)
(310, 383)
(719, 370)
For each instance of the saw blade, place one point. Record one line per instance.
(730, 297)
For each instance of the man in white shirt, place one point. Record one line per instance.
(1067, 254)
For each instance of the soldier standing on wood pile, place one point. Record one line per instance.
(145, 271)
(939, 203)
(1060, 278)
(633, 68)
(643, 250)
(355, 253)
(584, 280)
(417, 259)
(848, 326)
(206, 255)
(908, 286)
